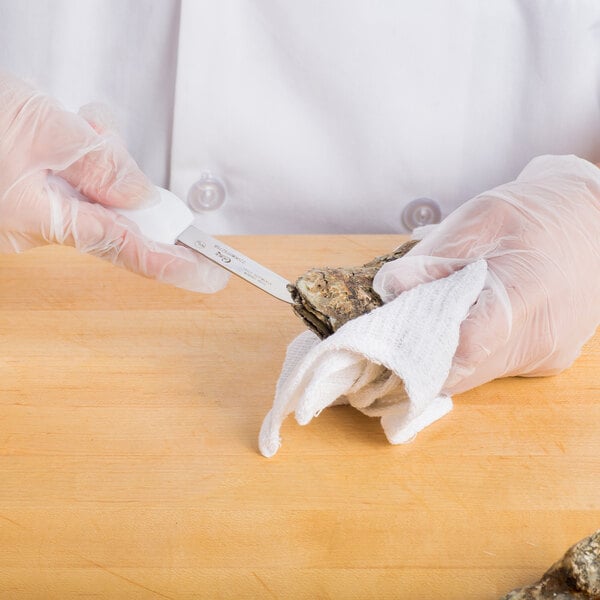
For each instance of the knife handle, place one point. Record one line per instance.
(162, 222)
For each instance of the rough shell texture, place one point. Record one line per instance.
(327, 298)
(575, 577)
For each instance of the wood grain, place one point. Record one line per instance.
(129, 415)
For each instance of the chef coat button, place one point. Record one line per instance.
(208, 193)
(419, 212)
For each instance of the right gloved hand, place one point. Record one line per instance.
(39, 138)
(540, 236)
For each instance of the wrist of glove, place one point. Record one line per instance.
(450, 324)
(45, 153)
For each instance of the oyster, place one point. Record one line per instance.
(327, 298)
(575, 577)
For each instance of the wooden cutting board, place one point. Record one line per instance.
(129, 416)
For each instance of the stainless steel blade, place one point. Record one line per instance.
(236, 262)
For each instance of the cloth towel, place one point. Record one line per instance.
(391, 362)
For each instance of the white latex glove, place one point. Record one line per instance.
(540, 236)
(38, 139)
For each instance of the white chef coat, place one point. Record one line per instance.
(323, 115)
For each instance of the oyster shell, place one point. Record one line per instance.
(326, 298)
(575, 577)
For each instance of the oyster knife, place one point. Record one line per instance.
(171, 222)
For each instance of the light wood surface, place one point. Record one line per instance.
(129, 416)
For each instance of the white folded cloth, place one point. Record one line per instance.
(391, 363)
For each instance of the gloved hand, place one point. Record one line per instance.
(40, 140)
(540, 236)
(526, 309)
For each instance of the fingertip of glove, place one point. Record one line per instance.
(395, 277)
(213, 282)
(398, 276)
(383, 285)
